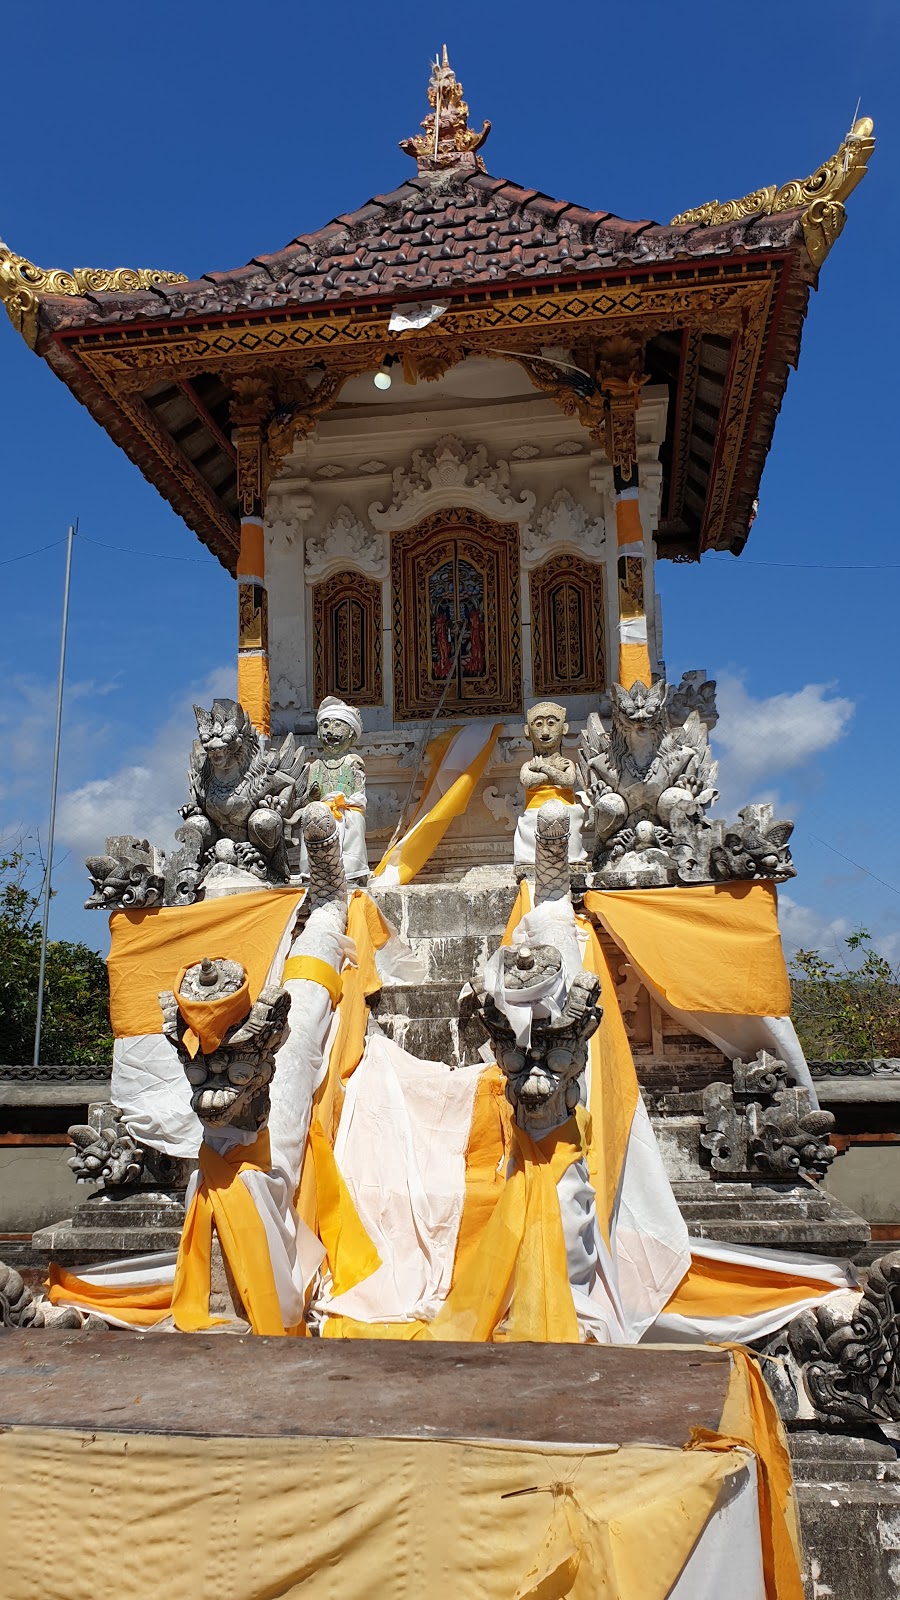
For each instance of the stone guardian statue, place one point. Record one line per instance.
(547, 775)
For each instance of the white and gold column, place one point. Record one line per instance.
(248, 412)
(623, 395)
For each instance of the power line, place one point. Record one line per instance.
(151, 555)
(812, 566)
(29, 553)
(857, 864)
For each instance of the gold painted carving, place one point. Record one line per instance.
(347, 638)
(448, 141)
(23, 285)
(253, 617)
(820, 196)
(567, 626)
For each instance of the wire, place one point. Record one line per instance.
(152, 555)
(857, 864)
(29, 553)
(812, 566)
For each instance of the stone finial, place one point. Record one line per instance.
(447, 141)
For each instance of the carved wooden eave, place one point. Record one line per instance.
(715, 303)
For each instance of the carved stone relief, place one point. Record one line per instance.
(451, 470)
(346, 542)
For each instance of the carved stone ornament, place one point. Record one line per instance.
(762, 1123)
(650, 782)
(451, 472)
(109, 1156)
(20, 1309)
(230, 1085)
(245, 796)
(129, 877)
(346, 542)
(563, 523)
(839, 1362)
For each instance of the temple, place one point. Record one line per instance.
(459, 1016)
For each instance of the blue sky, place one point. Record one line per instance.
(195, 138)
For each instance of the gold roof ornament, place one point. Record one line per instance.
(448, 141)
(23, 285)
(821, 196)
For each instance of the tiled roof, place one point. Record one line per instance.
(444, 232)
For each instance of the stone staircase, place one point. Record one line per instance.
(453, 928)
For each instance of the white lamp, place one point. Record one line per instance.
(382, 378)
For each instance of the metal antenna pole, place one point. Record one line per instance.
(59, 706)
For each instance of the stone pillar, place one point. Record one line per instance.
(249, 409)
(623, 397)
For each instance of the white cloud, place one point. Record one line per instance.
(758, 741)
(802, 928)
(143, 795)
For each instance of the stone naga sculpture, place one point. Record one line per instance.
(244, 795)
(760, 1122)
(539, 1016)
(649, 784)
(337, 777)
(229, 1083)
(109, 1156)
(840, 1361)
(546, 775)
(130, 876)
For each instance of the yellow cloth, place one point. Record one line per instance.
(351, 1253)
(423, 837)
(750, 1417)
(312, 970)
(253, 689)
(150, 948)
(320, 1182)
(339, 803)
(634, 665)
(711, 947)
(221, 1198)
(739, 1289)
(521, 1246)
(628, 521)
(251, 562)
(548, 791)
(614, 1086)
(247, 1519)
(209, 1020)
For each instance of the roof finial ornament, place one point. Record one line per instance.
(448, 141)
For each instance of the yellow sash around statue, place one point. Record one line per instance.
(548, 791)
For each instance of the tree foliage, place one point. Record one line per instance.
(845, 1013)
(75, 1025)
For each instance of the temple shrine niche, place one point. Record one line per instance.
(459, 1015)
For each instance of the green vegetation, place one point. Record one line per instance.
(76, 991)
(845, 1013)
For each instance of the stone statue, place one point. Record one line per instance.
(760, 1122)
(107, 1156)
(649, 786)
(547, 775)
(230, 1085)
(535, 1001)
(130, 876)
(244, 796)
(337, 776)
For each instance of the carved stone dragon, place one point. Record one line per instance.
(230, 1085)
(244, 795)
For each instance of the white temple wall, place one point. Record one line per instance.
(350, 486)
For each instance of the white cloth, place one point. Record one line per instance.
(336, 710)
(464, 749)
(401, 1147)
(727, 1558)
(740, 1037)
(523, 844)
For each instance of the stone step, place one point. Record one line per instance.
(454, 961)
(479, 904)
(434, 1038)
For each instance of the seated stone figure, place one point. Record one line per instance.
(337, 776)
(242, 795)
(547, 775)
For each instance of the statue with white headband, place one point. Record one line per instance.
(337, 776)
(547, 775)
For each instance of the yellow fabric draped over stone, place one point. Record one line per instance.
(710, 947)
(150, 948)
(246, 1519)
(428, 827)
